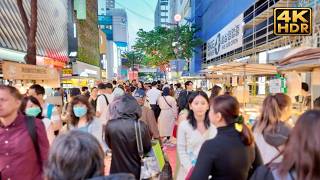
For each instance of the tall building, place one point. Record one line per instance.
(184, 8)
(83, 38)
(173, 10)
(119, 26)
(113, 22)
(110, 4)
(102, 7)
(161, 15)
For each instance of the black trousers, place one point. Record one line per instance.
(156, 110)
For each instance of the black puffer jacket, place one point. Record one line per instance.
(120, 136)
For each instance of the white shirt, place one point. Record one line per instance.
(102, 107)
(189, 142)
(153, 95)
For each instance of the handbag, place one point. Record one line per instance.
(149, 164)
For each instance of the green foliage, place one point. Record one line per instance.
(157, 44)
(132, 58)
(88, 40)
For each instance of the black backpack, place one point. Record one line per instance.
(31, 126)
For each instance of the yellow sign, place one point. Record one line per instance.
(66, 72)
(292, 21)
(17, 71)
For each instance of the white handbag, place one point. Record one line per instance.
(149, 164)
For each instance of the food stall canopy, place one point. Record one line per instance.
(238, 68)
(301, 59)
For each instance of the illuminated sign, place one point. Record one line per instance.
(292, 21)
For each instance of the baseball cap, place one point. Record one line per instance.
(139, 93)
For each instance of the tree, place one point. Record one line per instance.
(133, 57)
(161, 45)
(30, 27)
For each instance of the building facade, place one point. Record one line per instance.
(51, 37)
(162, 14)
(211, 16)
(110, 4)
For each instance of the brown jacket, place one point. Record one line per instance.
(149, 118)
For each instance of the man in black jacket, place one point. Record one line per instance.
(184, 95)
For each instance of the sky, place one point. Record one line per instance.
(140, 15)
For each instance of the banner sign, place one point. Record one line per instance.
(226, 40)
(17, 71)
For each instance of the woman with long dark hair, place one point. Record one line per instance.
(193, 132)
(301, 159)
(82, 118)
(215, 91)
(271, 130)
(232, 153)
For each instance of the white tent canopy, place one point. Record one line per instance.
(238, 68)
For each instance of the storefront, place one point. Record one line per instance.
(81, 74)
(23, 75)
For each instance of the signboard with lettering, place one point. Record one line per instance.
(66, 72)
(226, 40)
(17, 71)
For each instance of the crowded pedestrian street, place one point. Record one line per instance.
(159, 89)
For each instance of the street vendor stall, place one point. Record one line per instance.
(240, 76)
(302, 64)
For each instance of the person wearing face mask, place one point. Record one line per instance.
(82, 118)
(193, 132)
(30, 106)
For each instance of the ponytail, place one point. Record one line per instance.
(270, 114)
(229, 108)
(245, 132)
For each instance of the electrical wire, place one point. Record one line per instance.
(135, 13)
(149, 5)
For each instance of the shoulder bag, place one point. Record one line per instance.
(149, 164)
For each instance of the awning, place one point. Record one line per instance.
(238, 68)
(301, 59)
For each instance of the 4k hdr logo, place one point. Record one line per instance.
(292, 21)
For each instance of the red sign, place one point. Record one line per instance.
(133, 75)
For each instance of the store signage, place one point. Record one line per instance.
(17, 71)
(66, 72)
(226, 40)
(53, 62)
(292, 21)
(278, 85)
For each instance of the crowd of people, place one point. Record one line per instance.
(70, 140)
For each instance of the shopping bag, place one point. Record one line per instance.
(158, 153)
